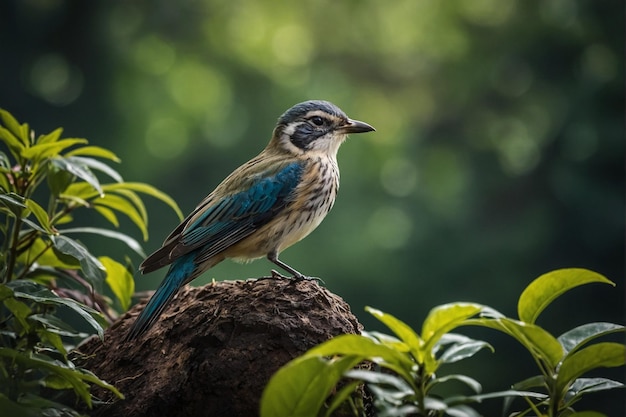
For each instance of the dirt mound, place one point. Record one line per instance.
(214, 349)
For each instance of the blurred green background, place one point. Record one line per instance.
(498, 154)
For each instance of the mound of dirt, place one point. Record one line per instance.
(215, 348)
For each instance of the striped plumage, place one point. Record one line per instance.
(264, 206)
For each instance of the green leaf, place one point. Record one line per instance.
(122, 205)
(40, 214)
(402, 330)
(53, 340)
(19, 310)
(94, 151)
(14, 144)
(50, 137)
(91, 266)
(79, 170)
(29, 290)
(47, 150)
(581, 335)
(5, 185)
(585, 385)
(91, 316)
(34, 226)
(444, 318)
(398, 385)
(120, 280)
(586, 414)
(108, 214)
(344, 393)
(58, 179)
(80, 191)
(5, 292)
(47, 256)
(460, 351)
(352, 344)
(498, 394)
(545, 289)
(5, 163)
(134, 198)
(541, 344)
(95, 164)
(149, 190)
(20, 131)
(129, 241)
(441, 320)
(78, 379)
(14, 202)
(387, 340)
(301, 387)
(600, 355)
(55, 325)
(470, 382)
(462, 411)
(54, 381)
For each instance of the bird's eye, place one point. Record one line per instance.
(317, 121)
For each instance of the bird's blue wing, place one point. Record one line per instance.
(233, 217)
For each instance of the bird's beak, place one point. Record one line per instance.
(355, 126)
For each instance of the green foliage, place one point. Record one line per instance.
(561, 360)
(405, 377)
(47, 276)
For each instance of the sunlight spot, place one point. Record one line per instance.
(512, 78)
(399, 177)
(390, 227)
(166, 137)
(154, 55)
(201, 90)
(124, 20)
(488, 12)
(563, 13)
(53, 79)
(599, 62)
(231, 131)
(518, 151)
(292, 46)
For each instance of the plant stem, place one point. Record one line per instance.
(421, 391)
(14, 240)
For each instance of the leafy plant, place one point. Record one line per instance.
(560, 360)
(45, 274)
(405, 379)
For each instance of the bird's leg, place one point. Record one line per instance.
(273, 257)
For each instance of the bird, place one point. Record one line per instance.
(266, 205)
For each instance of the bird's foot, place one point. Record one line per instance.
(277, 275)
(296, 277)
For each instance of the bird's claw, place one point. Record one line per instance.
(295, 278)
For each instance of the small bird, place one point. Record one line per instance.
(263, 207)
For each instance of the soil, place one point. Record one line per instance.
(215, 347)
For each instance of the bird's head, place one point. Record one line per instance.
(315, 126)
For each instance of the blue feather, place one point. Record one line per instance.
(176, 277)
(245, 210)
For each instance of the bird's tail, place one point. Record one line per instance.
(181, 272)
